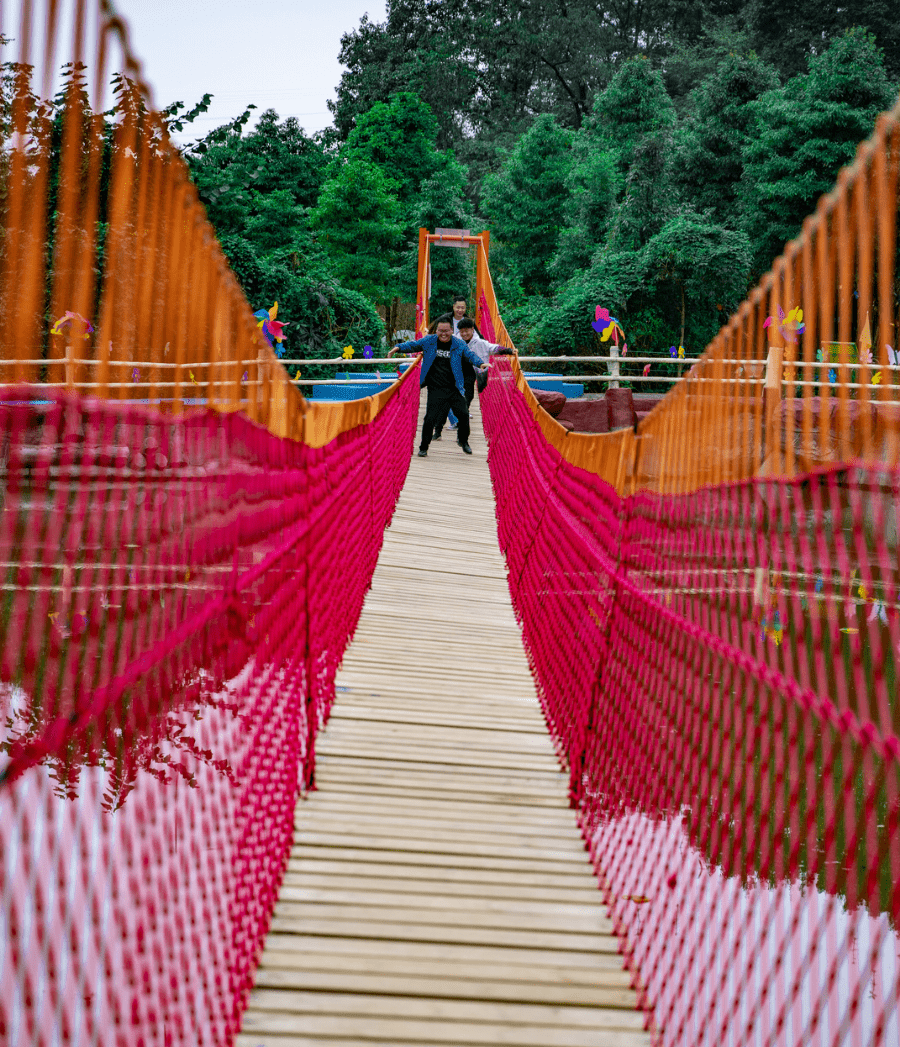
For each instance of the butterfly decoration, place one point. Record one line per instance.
(647, 369)
(832, 376)
(70, 320)
(608, 327)
(368, 352)
(876, 378)
(879, 611)
(192, 378)
(893, 356)
(245, 376)
(135, 375)
(348, 352)
(791, 326)
(272, 329)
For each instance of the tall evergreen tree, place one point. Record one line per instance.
(441, 202)
(633, 106)
(358, 220)
(804, 133)
(526, 201)
(709, 145)
(400, 137)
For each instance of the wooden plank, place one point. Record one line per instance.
(424, 756)
(507, 957)
(587, 921)
(417, 859)
(471, 974)
(402, 930)
(442, 872)
(437, 827)
(294, 1001)
(585, 914)
(374, 797)
(470, 887)
(445, 846)
(431, 1031)
(412, 984)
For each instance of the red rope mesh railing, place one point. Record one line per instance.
(711, 606)
(185, 546)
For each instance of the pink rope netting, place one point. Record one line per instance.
(177, 595)
(727, 709)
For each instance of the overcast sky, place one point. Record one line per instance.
(277, 54)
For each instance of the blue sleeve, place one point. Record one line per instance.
(418, 345)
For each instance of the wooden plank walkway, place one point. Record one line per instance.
(438, 892)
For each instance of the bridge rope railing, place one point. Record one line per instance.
(184, 554)
(711, 606)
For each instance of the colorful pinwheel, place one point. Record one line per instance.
(70, 320)
(608, 327)
(348, 352)
(368, 352)
(790, 326)
(774, 629)
(272, 329)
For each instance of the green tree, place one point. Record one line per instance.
(323, 315)
(710, 143)
(234, 169)
(804, 133)
(697, 272)
(678, 288)
(400, 137)
(649, 199)
(358, 219)
(790, 32)
(490, 66)
(594, 184)
(441, 202)
(526, 201)
(633, 106)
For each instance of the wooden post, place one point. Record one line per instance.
(772, 464)
(613, 366)
(481, 266)
(70, 366)
(422, 285)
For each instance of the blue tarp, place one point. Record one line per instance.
(553, 383)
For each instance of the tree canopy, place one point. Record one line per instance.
(652, 156)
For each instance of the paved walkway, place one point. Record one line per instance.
(438, 892)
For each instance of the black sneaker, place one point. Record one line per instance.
(436, 436)
(466, 448)
(423, 453)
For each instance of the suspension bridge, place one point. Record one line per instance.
(585, 739)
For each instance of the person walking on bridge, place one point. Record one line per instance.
(442, 357)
